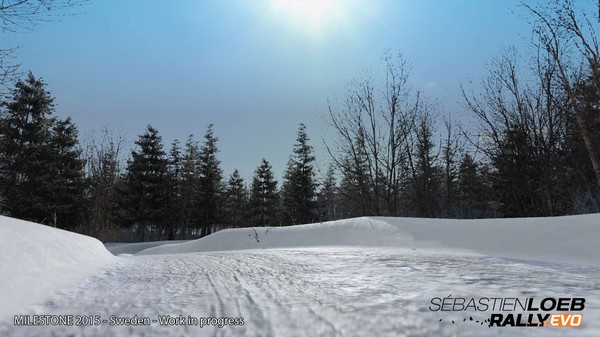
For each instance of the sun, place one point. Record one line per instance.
(313, 15)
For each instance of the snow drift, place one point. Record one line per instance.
(36, 260)
(568, 239)
(117, 248)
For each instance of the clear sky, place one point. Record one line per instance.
(254, 68)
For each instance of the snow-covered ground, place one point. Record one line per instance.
(358, 277)
(37, 260)
(569, 239)
(134, 248)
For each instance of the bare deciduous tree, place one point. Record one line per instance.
(562, 30)
(18, 15)
(23, 15)
(103, 168)
(373, 130)
(522, 131)
(9, 70)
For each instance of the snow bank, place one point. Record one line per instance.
(136, 247)
(566, 239)
(569, 239)
(350, 232)
(36, 260)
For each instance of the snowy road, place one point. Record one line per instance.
(313, 292)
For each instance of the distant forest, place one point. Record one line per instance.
(533, 151)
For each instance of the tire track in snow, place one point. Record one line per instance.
(254, 313)
(220, 311)
(277, 293)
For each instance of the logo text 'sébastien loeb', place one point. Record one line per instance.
(549, 311)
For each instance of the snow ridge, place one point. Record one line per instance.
(37, 260)
(567, 239)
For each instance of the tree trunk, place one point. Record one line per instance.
(585, 134)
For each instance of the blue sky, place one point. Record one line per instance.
(254, 68)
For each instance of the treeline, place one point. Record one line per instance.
(523, 154)
(47, 177)
(183, 193)
(530, 149)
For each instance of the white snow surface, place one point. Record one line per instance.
(36, 260)
(568, 239)
(118, 248)
(356, 277)
(311, 292)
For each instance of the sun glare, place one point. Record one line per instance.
(313, 15)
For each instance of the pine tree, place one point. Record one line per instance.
(67, 183)
(299, 187)
(143, 198)
(190, 184)
(264, 198)
(42, 172)
(210, 185)
(516, 177)
(472, 193)
(426, 174)
(235, 202)
(328, 196)
(25, 137)
(174, 211)
(449, 151)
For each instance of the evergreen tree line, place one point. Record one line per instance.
(183, 193)
(48, 178)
